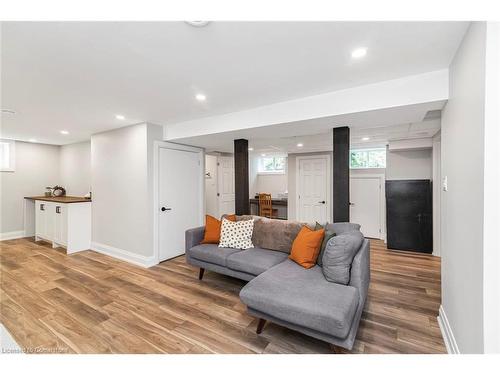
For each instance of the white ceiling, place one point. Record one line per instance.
(378, 137)
(77, 75)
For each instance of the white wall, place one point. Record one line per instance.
(365, 171)
(272, 183)
(253, 170)
(122, 190)
(265, 183)
(436, 194)
(491, 254)
(37, 166)
(75, 168)
(410, 164)
(462, 157)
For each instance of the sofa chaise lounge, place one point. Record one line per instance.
(283, 292)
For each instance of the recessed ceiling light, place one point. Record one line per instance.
(201, 97)
(65, 132)
(198, 23)
(365, 138)
(300, 144)
(262, 154)
(250, 149)
(120, 117)
(358, 53)
(33, 140)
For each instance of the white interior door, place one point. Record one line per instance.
(225, 192)
(180, 198)
(211, 199)
(365, 197)
(313, 190)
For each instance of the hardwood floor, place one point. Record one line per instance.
(91, 303)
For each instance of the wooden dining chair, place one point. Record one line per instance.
(266, 206)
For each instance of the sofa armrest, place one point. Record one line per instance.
(194, 236)
(360, 270)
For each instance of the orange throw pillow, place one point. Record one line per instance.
(306, 246)
(212, 228)
(231, 217)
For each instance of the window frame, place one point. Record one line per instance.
(12, 156)
(260, 169)
(367, 150)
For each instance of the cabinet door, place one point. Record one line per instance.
(50, 215)
(61, 224)
(40, 215)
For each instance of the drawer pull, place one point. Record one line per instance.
(58, 209)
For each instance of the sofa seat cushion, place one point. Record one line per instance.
(303, 297)
(211, 253)
(255, 261)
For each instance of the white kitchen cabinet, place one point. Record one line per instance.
(64, 224)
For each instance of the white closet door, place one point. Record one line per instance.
(365, 205)
(313, 190)
(179, 199)
(225, 174)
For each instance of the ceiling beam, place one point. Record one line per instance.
(410, 90)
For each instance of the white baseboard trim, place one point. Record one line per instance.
(12, 235)
(449, 339)
(127, 256)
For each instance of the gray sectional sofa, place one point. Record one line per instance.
(283, 292)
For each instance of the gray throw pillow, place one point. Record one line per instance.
(329, 233)
(338, 256)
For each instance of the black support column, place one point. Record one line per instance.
(242, 203)
(340, 174)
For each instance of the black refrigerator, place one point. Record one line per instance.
(409, 215)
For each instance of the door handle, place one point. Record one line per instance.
(166, 209)
(42, 207)
(58, 209)
(322, 202)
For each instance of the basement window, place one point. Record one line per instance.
(7, 155)
(368, 158)
(272, 165)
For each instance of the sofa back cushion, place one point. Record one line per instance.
(338, 256)
(273, 234)
(340, 228)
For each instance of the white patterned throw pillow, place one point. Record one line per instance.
(236, 234)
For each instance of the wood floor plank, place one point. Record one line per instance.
(77, 336)
(27, 330)
(155, 335)
(75, 307)
(91, 303)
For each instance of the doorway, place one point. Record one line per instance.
(313, 188)
(180, 196)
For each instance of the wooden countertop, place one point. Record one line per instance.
(275, 202)
(64, 199)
